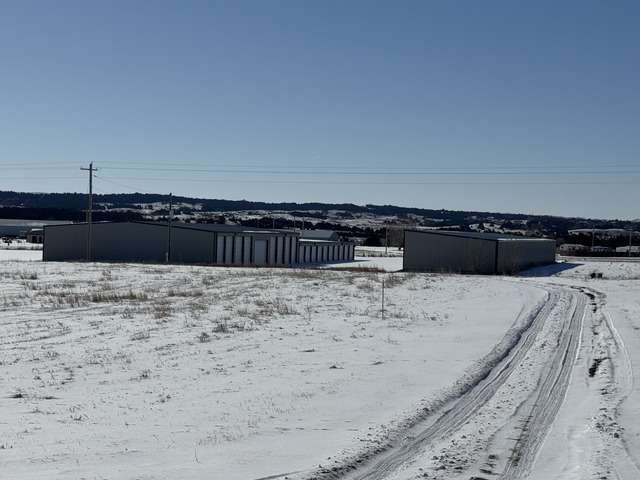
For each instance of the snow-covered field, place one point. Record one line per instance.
(19, 244)
(387, 264)
(363, 251)
(20, 255)
(167, 372)
(129, 371)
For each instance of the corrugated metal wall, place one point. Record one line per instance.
(68, 243)
(123, 242)
(517, 255)
(189, 246)
(443, 253)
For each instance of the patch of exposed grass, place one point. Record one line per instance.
(185, 292)
(161, 310)
(141, 335)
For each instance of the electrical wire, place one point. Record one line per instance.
(122, 185)
(45, 166)
(30, 177)
(339, 182)
(212, 165)
(326, 172)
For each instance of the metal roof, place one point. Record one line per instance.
(218, 227)
(18, 222)
(207, 227)
(480, 235)
(319, 242)
(327, 235)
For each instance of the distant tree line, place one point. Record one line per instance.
(69, 206)
(66, 214)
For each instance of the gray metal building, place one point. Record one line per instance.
(324, 251)
(208, 244)
(471, 252)
(16, 227)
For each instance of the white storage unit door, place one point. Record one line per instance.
(237, 251)
(260, 252)
(246, 250)
(279, 250)
(295, 250)
(287, 250)
(219, 249)
(272, 250)
(228, 250)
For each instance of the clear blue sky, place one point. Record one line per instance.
(527, 107)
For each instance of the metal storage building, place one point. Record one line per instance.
(471, 252)
(324, 251)
(14, 227)
(209, 244)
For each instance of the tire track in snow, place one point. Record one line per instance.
(626, 379)
(619, 384)
(542, 406)
(386, 460)
(548, 397)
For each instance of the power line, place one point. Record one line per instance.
(338, 182)
(119, 184)
(343, 166)
(48, 177)
(283, 169)
(46, 166)
(324, 172)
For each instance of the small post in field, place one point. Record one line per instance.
(383, 299)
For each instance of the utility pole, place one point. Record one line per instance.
(593, 238)
(630, 236)
(167, 256)
(91, 170)
(386, 240)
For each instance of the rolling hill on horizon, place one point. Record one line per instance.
(343, 216)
